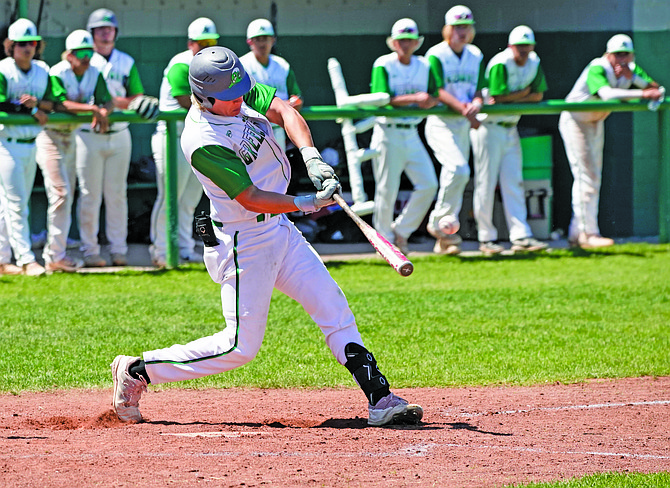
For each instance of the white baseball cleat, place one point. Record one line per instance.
(127, 390)
(393, 409)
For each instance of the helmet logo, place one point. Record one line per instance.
(235, 77)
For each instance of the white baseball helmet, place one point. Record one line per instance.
(103, 17)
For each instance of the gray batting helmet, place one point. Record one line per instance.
(217, 73)
(103, 17)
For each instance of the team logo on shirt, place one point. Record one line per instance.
(252, 139)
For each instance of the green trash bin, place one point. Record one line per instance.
(537, 167)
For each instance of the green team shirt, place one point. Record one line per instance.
(436, 69)
(597, 77)
(228, 165)
(58, 92)
(178, 78)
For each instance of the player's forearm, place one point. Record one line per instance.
(261, 201)
(450, 101)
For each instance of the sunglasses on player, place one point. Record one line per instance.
(26, 43)
(83, 53)
(206, 42)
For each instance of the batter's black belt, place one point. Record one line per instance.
(103, 134)
(401, 126)
(506, 125)
(259, 218)
(20, 141)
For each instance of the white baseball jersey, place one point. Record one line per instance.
(391, 76)
(459, 75)
(120, 73)
(275, 74)
(243, 147)
(35, 82)
(598, 73)
(511, 78)
(77, 90)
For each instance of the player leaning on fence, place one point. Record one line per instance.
(252, 247)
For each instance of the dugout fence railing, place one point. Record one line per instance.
(327, 112)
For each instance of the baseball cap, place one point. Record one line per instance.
(202, 28)
(23, 30)
(404, 29)
(79, 39)
(103, 17)
(260, 27)
(521, 34)
(620, 43)
(459, 15)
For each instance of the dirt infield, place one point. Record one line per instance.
(470, 437)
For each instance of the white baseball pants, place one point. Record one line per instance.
(497, 158)
(401, 150)
(450, 142)
(189, 193)
(252, 259)
(56, 157)
(103, 161)
(584, 143)
(17, 177)
(5, 248)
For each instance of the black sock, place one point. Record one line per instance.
(138, 369)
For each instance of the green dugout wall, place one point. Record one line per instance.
(568, 36)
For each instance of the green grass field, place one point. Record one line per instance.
(562, 316)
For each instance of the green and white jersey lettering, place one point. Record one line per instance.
(121, 75)
(597, 74)
(174, 84)
(504, 76)
(390, 76)
(229, 154)
(66, 85)
(460, 76)
(14, 83)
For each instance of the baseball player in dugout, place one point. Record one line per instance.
(270, 69)
(103, 159)
(75, 87)
(24, 83)
(513, 76)
(458, 70)
(408, 80)
(251, 246)
(175, 94)
(613, 76)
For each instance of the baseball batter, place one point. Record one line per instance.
(457, 66)
(175, 93)
(103, 159)
(513, 75)
(252, 247)
(270, 69)
(407, 79)
(24, 81)
(613, 76)
(75, 87)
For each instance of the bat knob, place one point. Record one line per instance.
(406, 269)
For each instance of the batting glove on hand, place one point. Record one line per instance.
(322, 198)
(145, 106)
(317, 169)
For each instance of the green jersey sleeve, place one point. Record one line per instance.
(539, 84)
(178, 79)
(379, 82)
(596, 78)
(642, 74)
(101, 94)
(134, 83)
(497, 80)
(481, 78)
(222, 166)
(57, 93)
(437, 72)
(3, 88)
(292, 84)
(260, 97)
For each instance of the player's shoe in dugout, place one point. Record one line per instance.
(394, 410)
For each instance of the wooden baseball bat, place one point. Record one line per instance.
(388, 251)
